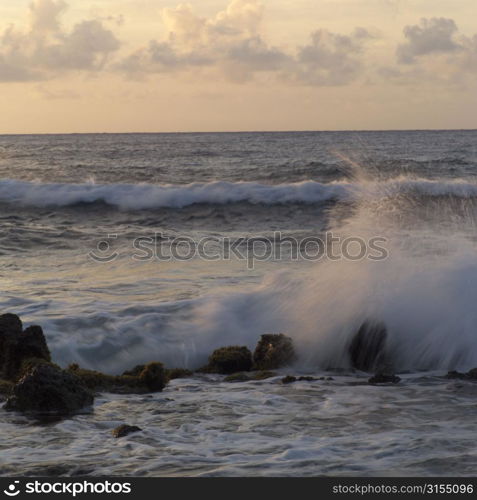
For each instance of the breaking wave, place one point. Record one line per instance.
(149, 196)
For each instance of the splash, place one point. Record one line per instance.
(425, 291)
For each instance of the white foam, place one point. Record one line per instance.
(150, 196)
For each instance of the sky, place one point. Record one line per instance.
(72, 66)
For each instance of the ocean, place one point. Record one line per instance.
(129, 248)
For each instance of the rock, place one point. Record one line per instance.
(10, 323)
(367, 346)
(228, 360)
(141, 379)
(45, 389)
(153, 376)
(32, 344)
(125, 430)
(470, 375)
(17, 346)
(249, 377)
(173, 373)
(5, 387)
(134, 372)
(289, 379)
(238, 377)
(273, 351)
(384, 378)
(263, 375)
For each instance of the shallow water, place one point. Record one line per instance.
(423, 426)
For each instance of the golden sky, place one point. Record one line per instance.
(219, 65)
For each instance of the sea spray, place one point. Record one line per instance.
(425, 292)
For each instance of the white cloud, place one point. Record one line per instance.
(229, 42)
(232, 44)
(45, 49)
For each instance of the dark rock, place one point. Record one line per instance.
(141, 379)
(153, 376)
(367, 346)
(470, 375)
(125, 430)
(262, 375)
(238, 377)
(228, 360)
(249, 377)
(134, 372)
(273, 351)
(17, 346)
(289, 379)
(173, 373)
(384, 378)
(10, 323)
(5, 387)
(45, 389)
(33, 344)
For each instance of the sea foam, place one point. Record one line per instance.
(152, 196)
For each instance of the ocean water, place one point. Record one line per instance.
(72, 209)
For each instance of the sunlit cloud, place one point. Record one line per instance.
(269, 65)
(434, 51)
(231, 43)
(45, 49)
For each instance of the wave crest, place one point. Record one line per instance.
(152, 196)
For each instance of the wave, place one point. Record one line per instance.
(153, 196)
(424, 291)
(427, 307)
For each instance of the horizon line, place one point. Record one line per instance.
(246, 131)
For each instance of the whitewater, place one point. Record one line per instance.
(149, 197)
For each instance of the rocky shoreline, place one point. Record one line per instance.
(31, 383)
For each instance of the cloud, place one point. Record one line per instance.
(332, 59)
(436, 53)
(15, 73)
(45, 49)
(45, 15)
(435, 35)
(231, 44)
(469, 56)
(86, 47)
(228, 42)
